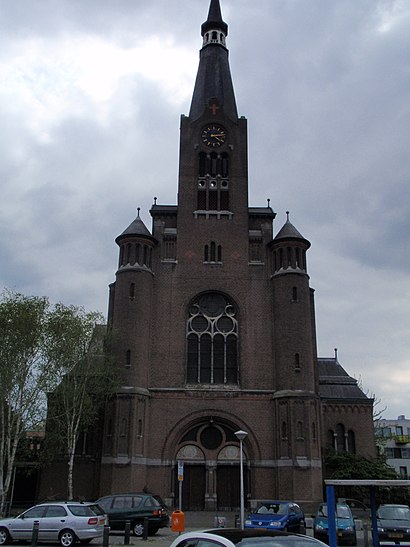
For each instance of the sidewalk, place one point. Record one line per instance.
(199, 521)
(194, 520)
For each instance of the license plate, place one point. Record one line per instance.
(394, 535)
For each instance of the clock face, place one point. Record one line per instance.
(214, 135)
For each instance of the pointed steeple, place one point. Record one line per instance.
(213, 86)
(214, 21)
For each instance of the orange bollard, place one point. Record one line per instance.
(177, 521)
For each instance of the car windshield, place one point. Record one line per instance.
(85, 510)
(394, 513)
(343, 512)
(273, 509)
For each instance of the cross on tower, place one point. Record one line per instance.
(214, 108)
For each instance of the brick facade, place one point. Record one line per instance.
(212, 262)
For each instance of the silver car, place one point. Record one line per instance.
(65, 522)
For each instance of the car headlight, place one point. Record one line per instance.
(275, 524)
(408, 531)
(380, 529)
(248, 521)
(319, 527)
(349, 528)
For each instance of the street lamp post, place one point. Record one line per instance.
(240, 435)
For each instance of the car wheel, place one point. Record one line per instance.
(138, 528)
(4, 536)
(67, 538)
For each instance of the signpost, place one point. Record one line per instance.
(180, 480)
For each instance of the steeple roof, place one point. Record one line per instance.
(214, 20)
(213, 86)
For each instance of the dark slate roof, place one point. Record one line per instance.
(164, 210)
(262, 211)
(136, 228)
(288, 231)
(336, 384)
(214, 20)
(213, 80)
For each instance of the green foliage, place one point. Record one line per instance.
(87, 380)
(345, 465)
(25, 375)
(41, 348)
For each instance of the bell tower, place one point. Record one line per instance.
(213, 172)
(214, 334)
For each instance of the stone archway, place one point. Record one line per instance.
(209, 451)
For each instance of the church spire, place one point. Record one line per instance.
(214, 21)
(213, 86)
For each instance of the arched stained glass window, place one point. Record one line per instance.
(212, 340)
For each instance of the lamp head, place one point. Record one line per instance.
(240, 435)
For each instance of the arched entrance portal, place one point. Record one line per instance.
(210, 454)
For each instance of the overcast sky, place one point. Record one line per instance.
(91, 92)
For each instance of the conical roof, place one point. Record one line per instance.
(288, 231)
(136, 228)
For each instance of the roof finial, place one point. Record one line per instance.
(268, 202)
(335, 354)
(287, 216)
(138, 212)
(155, 200)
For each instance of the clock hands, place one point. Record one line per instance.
(214, 136)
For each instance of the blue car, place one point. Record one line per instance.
(345, 525)
(278, 515)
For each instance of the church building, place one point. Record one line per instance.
(214, 323)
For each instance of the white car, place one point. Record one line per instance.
(65, 522)
(234, 537)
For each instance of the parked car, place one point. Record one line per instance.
(234, 537)
(393, 523)
(278, 515)
(359, 509)
(65, 522)
(135, 507)
(345, 525)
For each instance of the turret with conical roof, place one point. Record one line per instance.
(136, 244)
(293, 303)
(289, 250)
(130, 303)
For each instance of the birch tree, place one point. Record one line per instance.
(79, 353)
(26, 374)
